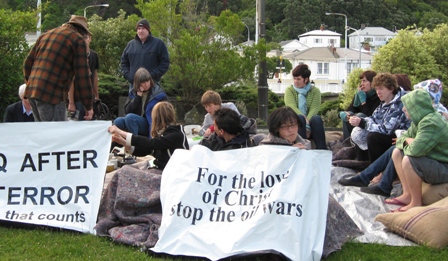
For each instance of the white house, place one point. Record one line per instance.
(327, 67)
(320, 38)
(293, 46)
(375, 36)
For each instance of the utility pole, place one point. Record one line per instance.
(262, 69)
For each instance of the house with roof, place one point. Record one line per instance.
(326, 65)
(373, 36)
(293, 46)
(320, 38)
(329, 63)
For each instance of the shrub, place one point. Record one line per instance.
(331, 119)
(110, 89)
(329, 105)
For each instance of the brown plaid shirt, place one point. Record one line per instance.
(57, 57)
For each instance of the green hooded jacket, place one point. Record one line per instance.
(429, 130)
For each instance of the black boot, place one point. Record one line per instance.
(355, 181)
(374, 189)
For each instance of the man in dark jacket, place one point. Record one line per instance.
(228, 133)
(144, 51)
(19, 111)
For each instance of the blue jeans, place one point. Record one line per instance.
(383, 164)
(317, 131)
(133, 123)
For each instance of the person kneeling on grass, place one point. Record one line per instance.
(228, 132)
(421, 153)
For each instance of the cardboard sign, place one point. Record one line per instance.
(220, 204)
(52, 173)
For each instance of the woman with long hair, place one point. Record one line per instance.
(146, 94)
(166, 136)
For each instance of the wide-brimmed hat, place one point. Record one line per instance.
(79, 21)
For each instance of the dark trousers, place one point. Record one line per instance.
(378, 144)
(346, 129)
(317, 131)
(382, 164)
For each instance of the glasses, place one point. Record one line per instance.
(287, 127)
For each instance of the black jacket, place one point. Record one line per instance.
(161, 147)
(14, 113)
(216, 143)
(371, 104)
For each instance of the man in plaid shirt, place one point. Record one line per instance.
(59, 57)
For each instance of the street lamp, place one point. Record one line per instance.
(345, 60)
(359, 42)
(248, 31)
(105, 5)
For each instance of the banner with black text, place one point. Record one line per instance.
(52, 173)
(225, 203)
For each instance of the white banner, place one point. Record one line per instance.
(219, 204)
(52, 173)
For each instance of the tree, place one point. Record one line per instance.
(419, 54)
(272, 64)
(13, 50)
(407, 53)
(350, 88)
(109, 38)
(202, 54)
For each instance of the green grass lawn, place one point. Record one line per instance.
(53, 244)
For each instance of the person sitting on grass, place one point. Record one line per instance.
(228, 132)
(375, 134)
(166, 136)
(363, 104)
(284, 125)
(305, 100)
(384, 164)
(421, 153)
(146, 94)
(211, 101)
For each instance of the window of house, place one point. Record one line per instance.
(368, 39)
(317, 40)
(331, 41)
(382, 39)
(323, 68)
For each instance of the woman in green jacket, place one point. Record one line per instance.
(305, 100)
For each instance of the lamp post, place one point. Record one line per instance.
(105, 5)
(345, 59)
(39, 21)
(359, 42)
(248, 31)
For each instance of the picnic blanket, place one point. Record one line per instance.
(130, 210)
(344, 155)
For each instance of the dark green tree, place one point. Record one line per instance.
(13, 50)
